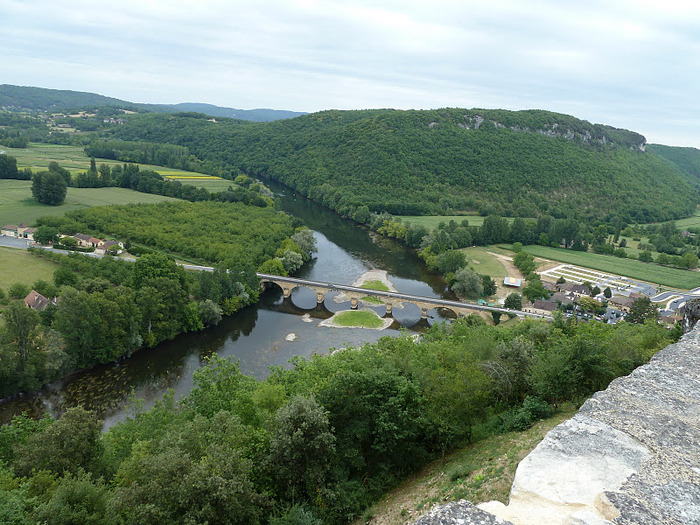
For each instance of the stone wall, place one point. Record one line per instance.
(630, 456)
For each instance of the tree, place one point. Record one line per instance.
(20, 322)
(689, 260)
(273, 267)
(49, 188)
(645, 256)
(450, 261)
(69, 444)
(641, 310)
(535, 289)
(607, 292)
(301, 448)
(18, 291)
(63, 172)
(467, 283)
(46, 235)
(209, 312)
(291, 261)
(77, 499)
(64, 276)
(514, 301)
(489, 285)
(305, 239)
(8, 167)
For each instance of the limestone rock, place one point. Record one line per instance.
(459, 513)
(630, 456)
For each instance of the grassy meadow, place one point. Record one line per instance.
(485, 263)
(17, 204)
(653, 273)
(431, 221)
(690, 222)
(20, 266)
(359, 318)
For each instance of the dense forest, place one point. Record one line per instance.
(314, 444)
(211, 232)
(440, 161)
(687, 160)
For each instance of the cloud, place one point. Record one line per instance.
(632, 64)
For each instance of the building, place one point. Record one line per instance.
(106, 247)
(512, 281)
(576, 289)
(9, 230)
(544, 306)
(36, 301)
(621, 302)
(87, 241)
(18, 232)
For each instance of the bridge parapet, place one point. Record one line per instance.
(389, 299)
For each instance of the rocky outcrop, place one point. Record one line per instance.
(461, 512)
(630, 456)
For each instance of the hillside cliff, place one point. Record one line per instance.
(630, 456)
(519, 163)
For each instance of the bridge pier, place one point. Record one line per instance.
(353, 303)
(286, 293)
(388, 308)
(423, 313)
(320, 297)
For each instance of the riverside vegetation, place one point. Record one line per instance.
(145, 302)
(233, 450)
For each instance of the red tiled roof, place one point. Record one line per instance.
(36, 301)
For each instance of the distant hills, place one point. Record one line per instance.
(57, 100)
(451, 160)
(415, 162)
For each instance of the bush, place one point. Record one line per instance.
(521, 418)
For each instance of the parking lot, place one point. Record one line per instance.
(618, 284)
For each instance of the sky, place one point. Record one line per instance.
(630, 64)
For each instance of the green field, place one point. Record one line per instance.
(653, 273)
(375, 285)
(20, 266)
(17, 204)
(690, 222)
(431, 221)
(37, 157)
(359, 318)
(485, 263)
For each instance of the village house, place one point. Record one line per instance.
(544, 306)
(87, 241)
(36, 301)
(621, 302)
(108, 247)
(577, 289)
(19, 232)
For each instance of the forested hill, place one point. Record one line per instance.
(687, 160)
(57, 100)
(439, 161)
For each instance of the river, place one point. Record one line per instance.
(256, 336)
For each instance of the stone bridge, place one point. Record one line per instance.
(389, 299)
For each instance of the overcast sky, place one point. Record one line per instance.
(632, 64)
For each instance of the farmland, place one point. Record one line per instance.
(431, 221)
(20, 266)
(690, 222)
(17, 204)
(73, 158)
(653, 273)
